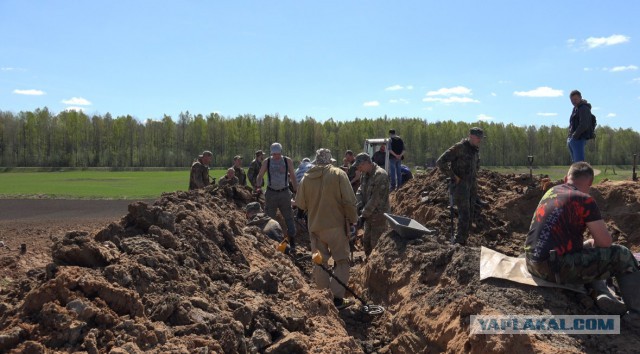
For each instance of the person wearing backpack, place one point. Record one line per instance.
(581, 126)
(280, 173)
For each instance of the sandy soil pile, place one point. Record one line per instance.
(431, 288)
(179, 275)
(184, 275)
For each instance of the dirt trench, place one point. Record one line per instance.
(184, 275)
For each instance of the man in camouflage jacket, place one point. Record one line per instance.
(373, 199)
(461, 163)
(199, 177)
(270, 227)
(254, 168)
(239, 171)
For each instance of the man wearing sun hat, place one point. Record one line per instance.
(326, 194)
(461, 163)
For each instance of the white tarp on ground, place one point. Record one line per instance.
(494, 264)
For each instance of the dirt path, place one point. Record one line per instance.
(35, 221)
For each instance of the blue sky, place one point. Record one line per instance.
(501, 61)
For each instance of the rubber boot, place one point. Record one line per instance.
(606, 301)
(630, 289)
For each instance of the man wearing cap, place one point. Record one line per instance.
(255, 217)
(326, 194)
(461, 163)
(200, 171)
(280, 173)
(239, 171)
(396, 155)
(373, 199)
(352, 172)
(254, 168)
(229, 179)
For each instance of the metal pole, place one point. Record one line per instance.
(530, 158)
(635, 176)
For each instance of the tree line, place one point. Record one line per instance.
(40, 138)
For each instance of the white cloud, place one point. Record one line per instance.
(29, 92)
(394, 88)
(504, 82)
(621, 68)
(458, 90)
(399, 87)
(8, 68)
(637, 79)
(543, 114)
(77, 100)
(571, 41)
(594, 42)
(399, 100)
(72, 108)
(454, 99)
(494, 94)
(484, 117)
(587, 69)
(371, 104)
(543, 91)
(611, 115)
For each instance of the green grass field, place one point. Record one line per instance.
(558, 172)
(95, 184)
(149, 184)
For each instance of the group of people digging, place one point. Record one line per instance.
(555, 248)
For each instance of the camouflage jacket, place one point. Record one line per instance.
(373, 194)
(242, 177)
(199, 176)
(254, 169)
(270, 227)
(224, 181)
(462, 160)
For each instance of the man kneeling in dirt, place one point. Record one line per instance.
(270, 227)
(373, 199)
(229, 179)
(555, 248)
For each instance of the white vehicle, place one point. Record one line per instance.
(373, 145)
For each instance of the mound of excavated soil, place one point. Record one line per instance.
(181, 275)
(184, 275)
(431, 288)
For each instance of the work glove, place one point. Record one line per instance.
(360, 223)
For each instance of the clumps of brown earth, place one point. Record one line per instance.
(431, 288)
(181, 275)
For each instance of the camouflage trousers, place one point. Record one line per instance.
(587, 265)
(464, 196)
(374, 227)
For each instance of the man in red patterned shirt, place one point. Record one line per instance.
(555, 248)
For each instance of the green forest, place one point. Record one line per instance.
(73, 139)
